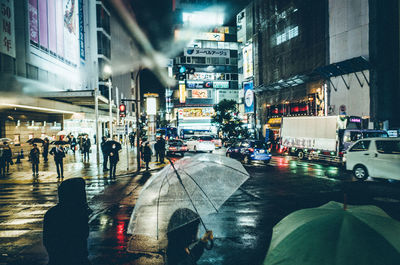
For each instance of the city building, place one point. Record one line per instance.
(206, 69)
(319, 64)
(52, 69)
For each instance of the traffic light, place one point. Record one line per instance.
(122, 110)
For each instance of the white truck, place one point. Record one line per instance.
(322, 137)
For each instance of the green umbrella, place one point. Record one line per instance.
(336, 235)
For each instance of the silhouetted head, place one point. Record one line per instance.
(183, 227)
(72, 192)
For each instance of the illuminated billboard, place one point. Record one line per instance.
(199, 93)
(247, 61)
(151, 106)
(197, 113)
(198, 52)
(182, 93)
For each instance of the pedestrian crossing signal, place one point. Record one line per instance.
(122, 110)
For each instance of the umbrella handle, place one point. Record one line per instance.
(209, 246)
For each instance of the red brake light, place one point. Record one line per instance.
(251, 149)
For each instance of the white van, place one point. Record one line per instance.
(375, 157)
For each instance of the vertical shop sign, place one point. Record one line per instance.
(182, 93)
(33, 21)
(81, 31)
(7, 34)
(43, 29)
(248, 97)
(51, 11)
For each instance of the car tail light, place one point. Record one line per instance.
(172, 148)
(251, 150)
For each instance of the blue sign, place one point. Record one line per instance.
(248, 97)
(81, 31)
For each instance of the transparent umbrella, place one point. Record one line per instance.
(201, 184)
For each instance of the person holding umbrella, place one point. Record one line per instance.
(34, 158)
(7, 153)
(73, 143)
(59, 155)
(2, 162)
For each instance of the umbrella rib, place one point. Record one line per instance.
(205, 194)
(187, 193)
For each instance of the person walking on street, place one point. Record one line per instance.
(58, 153)
(147, 153)
(7, 153)
(162, 149)
(105, 152)
(157, 149)
(73, 144)
(66, 225)
(34, 156)
(2, 162)
(114, 158)
(45, 149)
(86, 147)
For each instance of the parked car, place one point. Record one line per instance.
(250, 150)
(200, 143)
(375, 157)
(176, 147)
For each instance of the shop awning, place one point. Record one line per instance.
(350, 66)
(290, 82)
(353, 65)
(81, 98)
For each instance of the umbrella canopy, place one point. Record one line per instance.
(82, 134)
(62, 133)
(208, 181)
(110, 144)
(35, 141)
(2, 140)
(332, 235)
(60, 142)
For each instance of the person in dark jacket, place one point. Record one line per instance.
(114, 158)
(59, 154)
(7, 153)
(105, 152)
(86, 147)
(34, 156)
(73, 144)
(147, 153)
(183, 246)
(65, 226)
(46, 149)
(2, 162)
(162, 149)
(157, 149)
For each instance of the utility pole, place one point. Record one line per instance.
(96, 110)
(137, 98)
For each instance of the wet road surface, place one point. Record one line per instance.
(242, 228)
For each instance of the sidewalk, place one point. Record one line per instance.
(73, 167)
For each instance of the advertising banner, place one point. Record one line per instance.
(199, 93)
(221, 84)
(248, 97)
(197, 52)
(210, 36)
(247, 61)
(33, 21)
(195, 84)
(7, 33)
(182, 93)
(197, 113)
(81, 31)
(51, 13)
(60, 28)
(71, 30)
(43, 20)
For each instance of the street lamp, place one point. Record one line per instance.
(107, 73)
